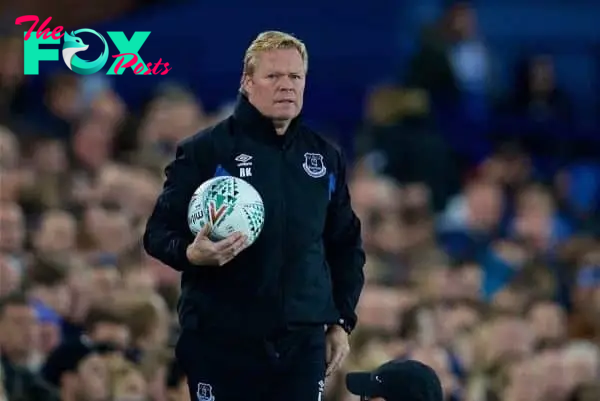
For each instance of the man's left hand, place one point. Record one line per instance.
(337, 348)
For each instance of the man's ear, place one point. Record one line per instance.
(245, 83)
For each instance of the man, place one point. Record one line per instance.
(106, 326)
(56, 232)
(253, 319)
(149, 321)
(48, 290)
(12, 231)
(397, 381)
(78, 371)
(18, 333)
(11, 275)
(48, 284)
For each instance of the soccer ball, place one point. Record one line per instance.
(228, 204)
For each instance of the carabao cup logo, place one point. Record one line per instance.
(73, 45)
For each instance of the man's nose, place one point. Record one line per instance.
(286, 84)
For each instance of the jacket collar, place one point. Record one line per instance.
(260, 126)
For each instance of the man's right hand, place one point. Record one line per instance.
(204, 252)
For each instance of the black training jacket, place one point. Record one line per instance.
(305, 268)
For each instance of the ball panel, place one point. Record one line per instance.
(197, 211)
(254, 214)
(235, 221)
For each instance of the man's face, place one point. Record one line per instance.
(171, 120)
(106, 332)
(470, 278)
(132, 386)
(552, 366)
(485, 205)
(80, 288)
(510, 336)
(548, 321)
(10, 276)
(92, 374)
(50, 156)
(58, 298)
(9, 148)
(456, 319)
(379, 307)
(10, 184)
(113, 231)
(276, 87)
(57, 233)
(12, 229)
(92, 144)
(19, 330)
(50, 336)
(437, 359)
(105, 281)
(524, 382)
(63, 98)
(140, 280)
(11, 68)
(463, 21)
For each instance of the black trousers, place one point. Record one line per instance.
(220, 367)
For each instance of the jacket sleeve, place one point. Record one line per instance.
(343, 247)
(167, 233)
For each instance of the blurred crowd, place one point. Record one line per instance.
(488, 270)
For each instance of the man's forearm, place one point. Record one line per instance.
(168, 246)
(348, 281)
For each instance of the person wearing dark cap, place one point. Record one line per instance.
(78, 371)
(397, 380)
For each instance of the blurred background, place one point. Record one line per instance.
(474, 133)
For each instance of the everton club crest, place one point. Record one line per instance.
(313, 165)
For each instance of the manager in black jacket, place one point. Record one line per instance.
(254, 319)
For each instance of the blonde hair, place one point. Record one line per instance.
(272, 40)
(144, 311)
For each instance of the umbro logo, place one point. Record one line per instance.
(244, 164)
(242, 158)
